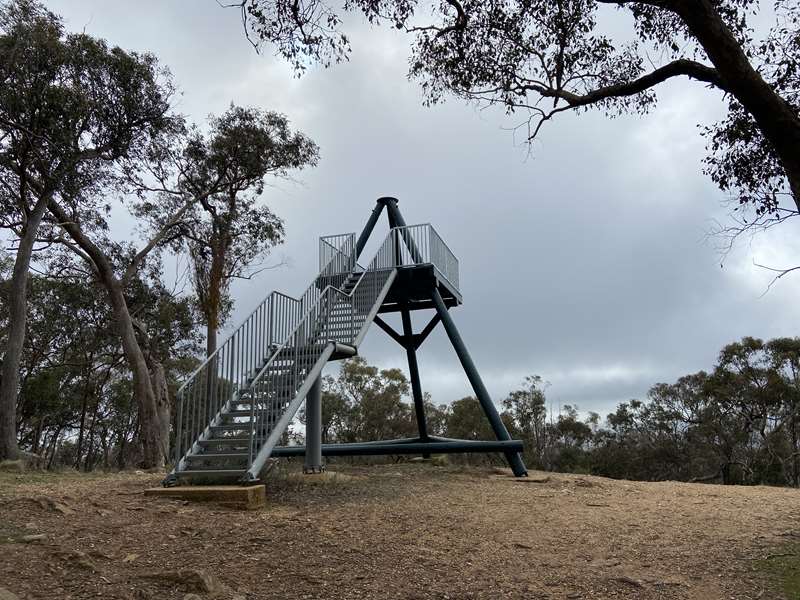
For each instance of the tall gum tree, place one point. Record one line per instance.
(70, 107)
(229, 232)
(180, 175)
(159, 180)
(545, 57)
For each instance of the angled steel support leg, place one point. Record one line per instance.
(396, 220)
(514, 459)
(367, 231)
(313, 461)
(413, 371)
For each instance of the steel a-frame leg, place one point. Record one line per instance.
(313, 459)
(413, 371)
(514, 459)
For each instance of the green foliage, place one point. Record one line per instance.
(75, 405)
(468, 421)
(70, 105)
(782, 569)
(231, 229)
(737, 424)
(364, 403)
(541, 58)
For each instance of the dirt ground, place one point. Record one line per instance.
(395, 531)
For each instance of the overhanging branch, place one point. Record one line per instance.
(677, 68)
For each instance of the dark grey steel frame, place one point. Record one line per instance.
(426, 295)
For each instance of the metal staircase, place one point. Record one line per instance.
(237, 406)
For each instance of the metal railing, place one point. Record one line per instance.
(337, 253)
(219, 379)
(421, 244)
(336, 317)
(267, 359)
(427, 244)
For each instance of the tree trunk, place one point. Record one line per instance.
(211, 339)
(214, 296)
(163, 404)
(795, 465)
(18, 311)
(776, 119)
(150, 431)
(155, 449)
(82, 429)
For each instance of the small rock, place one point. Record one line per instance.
(198, 580)
(62, 508)
(77, 558)
(191, 596)
(544, 479)
(7, 594)
(12, 466)
(35, 537)
(521, 545)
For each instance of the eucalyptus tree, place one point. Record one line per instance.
(70, 107)
(74, 402)
(160, 190)
(785, 358)
(547, 57)
(527, 406)
(230, 231)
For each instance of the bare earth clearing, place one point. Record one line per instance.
(394, 531)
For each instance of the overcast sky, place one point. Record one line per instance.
(586, 262)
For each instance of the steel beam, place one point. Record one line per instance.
(396, 220)
(313, 462)
(413, 371)
(389, 331)
(514, 459)
(422, 335)
(367, 231)
(384, 448)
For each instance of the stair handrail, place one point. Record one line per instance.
(395, 233)
(252, 341)
(329, 288)
(252, 312)
(405, 245)
(378, 263)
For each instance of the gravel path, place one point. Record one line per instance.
(396, 532)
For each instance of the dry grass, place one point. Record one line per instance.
(397, 531)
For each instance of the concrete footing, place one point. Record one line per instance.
(250, 497)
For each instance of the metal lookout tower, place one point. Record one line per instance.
(234, 410)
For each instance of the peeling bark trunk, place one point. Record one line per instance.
(776, 119)
(151, 438)
(211, 339)
(18, 312)
(151, 435)
(163, 404)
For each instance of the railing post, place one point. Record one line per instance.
(179, 432)
(313, 460)
(252, 426)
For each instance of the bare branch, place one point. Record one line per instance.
(677, 68)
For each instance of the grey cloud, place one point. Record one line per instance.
(585, 263)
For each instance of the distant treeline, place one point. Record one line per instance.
(737, 424)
